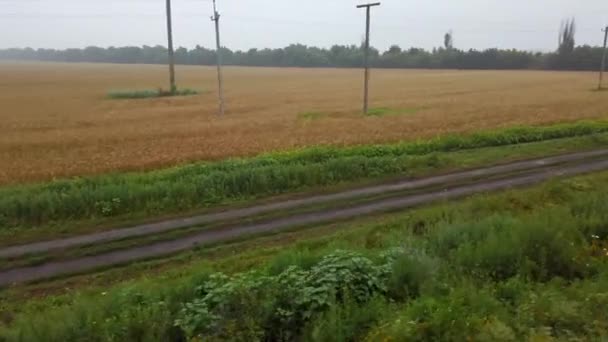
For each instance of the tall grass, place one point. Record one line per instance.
(207, 184)
(443, 289)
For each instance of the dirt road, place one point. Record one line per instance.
(170, 225)
(60, 268)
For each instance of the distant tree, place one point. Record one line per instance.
(567, 41)
(448, 40)
(394, 50)
(565, 57)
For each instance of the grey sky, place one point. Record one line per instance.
(523, 24)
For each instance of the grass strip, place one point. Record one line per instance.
(146, 94)
(33, 209)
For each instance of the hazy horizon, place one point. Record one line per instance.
(249, 24)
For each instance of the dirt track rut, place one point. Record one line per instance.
(170, 225)
(59, 268)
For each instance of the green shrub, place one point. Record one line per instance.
(232, 308)
(349, 273)
(254, 308)
(339, 277)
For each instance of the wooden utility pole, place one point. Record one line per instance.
(366, 61)
(220, 78)
(170, 47)
(603, 67)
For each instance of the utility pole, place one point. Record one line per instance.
(366, 62)
(603, 67)
(220, 78)
(171, 53)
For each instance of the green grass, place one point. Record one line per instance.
(32, 211)
(377, 112)
(385, 111)
(520, 265)
(146, 94)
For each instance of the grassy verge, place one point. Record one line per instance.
(64, 207)
(146, 94)
(527, 264)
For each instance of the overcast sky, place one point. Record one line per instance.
(522, 24)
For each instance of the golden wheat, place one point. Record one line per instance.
(55, 120)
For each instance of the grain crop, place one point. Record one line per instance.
(56, 121)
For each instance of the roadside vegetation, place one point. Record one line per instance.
(520, 265)
(56, 207)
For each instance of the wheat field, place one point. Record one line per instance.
(56, 121)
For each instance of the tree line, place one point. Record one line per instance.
(566, 57)
(580, 58)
